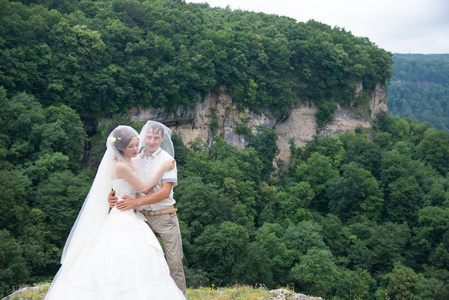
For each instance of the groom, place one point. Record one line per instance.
(158, 206)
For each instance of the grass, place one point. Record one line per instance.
(242, 292)
(34, 292)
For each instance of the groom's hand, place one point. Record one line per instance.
(112, 199)
(126, 203)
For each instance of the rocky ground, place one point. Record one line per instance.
(38, 292)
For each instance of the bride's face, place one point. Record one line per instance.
(132, 148)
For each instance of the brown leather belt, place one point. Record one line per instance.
(168, 210)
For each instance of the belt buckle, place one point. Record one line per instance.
(150, 211)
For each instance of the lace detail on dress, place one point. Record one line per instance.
(123, 188)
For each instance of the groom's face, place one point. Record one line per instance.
(153, 140)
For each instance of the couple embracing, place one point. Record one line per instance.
(116, 254)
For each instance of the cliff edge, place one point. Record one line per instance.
(217, 115)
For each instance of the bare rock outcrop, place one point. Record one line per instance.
(218, 116)
(282, 294)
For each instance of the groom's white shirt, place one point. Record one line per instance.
(150, 165)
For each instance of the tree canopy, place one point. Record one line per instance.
(104, 57)
(419, 88)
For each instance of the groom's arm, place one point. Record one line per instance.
(161, 194)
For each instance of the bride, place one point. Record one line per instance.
(114, 255)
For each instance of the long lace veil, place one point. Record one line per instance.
(91, 217)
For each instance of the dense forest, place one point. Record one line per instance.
(101, 57)
(419, 88)
(362, 215)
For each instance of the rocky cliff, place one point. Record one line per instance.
(217, 115)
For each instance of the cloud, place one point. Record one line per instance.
(400, 26)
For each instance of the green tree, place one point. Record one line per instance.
(388, 244)
(13, 269)
(13, 202)
(76, 63)
(404, 198)
(409, 98)
(41, 257)
(436, 195)
(328, 145)
(384, 140)
(304, 236)
(353, 284)
(294, 202)
(193, 203)
(316, 273)
(22, 114)
(359, 255)
(418, 131)
(60, 197)
(356, 192)
(430, 288)
(434, 222)
(393, 166)
(402, 283)
(266, 204)
(250, 165)
(181, 151)
(37, 132)
(220, 250)
(271, 238)
(364, 152)
(431, 236)
(335, 234)
(434, 149)
(256, 267)
(264, 142)
(44, 166)
(63, 132)
(317, 171)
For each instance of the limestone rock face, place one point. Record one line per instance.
(218, 116)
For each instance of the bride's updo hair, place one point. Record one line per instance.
(122, 136)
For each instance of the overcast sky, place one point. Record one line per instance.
(398, 26)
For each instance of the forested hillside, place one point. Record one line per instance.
(101, 57)
(419, 88)
(363, 215)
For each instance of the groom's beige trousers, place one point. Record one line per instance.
(166, 227)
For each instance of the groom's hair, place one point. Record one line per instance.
(156, 128)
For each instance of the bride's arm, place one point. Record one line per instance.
(125, 172)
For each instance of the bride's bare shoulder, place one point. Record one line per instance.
(121, 167)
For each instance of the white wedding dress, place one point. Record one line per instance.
(125, 263)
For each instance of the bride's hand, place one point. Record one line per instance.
(168, 165)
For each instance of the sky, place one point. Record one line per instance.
(398, 26)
